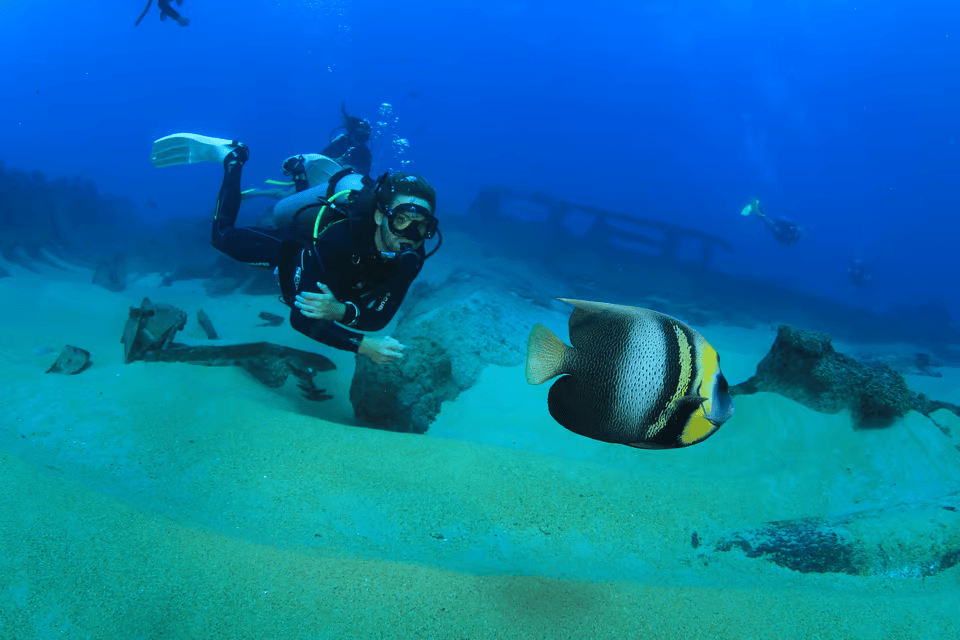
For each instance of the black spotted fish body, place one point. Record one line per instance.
(633, 376)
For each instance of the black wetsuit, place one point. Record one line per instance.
(165, 9)
(344, 258)
(785, 231)
(347, 151)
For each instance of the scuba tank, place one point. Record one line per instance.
(311, 173)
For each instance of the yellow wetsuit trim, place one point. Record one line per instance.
(316, 224)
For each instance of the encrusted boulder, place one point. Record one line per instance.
(452, 333)
(915, 540)
(804, 367)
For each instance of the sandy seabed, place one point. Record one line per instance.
(156, 500)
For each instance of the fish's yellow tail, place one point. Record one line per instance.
(546, 355)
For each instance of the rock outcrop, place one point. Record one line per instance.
(453, 332)
(803, 366)
(915, 540)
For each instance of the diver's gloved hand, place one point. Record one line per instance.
(183, 21)
(319, 306)
(381, 349)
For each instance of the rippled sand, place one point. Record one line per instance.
(172, 501)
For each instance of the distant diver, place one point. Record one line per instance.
(166, 11)
(633, 376)
(785, 231)
(860, 272)
(346, 259)
(349, 149)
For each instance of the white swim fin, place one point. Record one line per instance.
(190, 148)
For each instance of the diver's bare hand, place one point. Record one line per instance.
(381, 349)
(319, 306)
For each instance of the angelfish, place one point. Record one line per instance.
(633, 376)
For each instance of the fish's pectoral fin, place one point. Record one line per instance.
(680, 412)
(675, 421)
(687, 403)
(546, 355)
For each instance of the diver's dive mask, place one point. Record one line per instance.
(411, 221)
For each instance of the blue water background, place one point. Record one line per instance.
(841, 114)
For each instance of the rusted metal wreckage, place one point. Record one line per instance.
(554, 219)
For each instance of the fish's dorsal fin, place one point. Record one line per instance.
(546, 355)
(599, 307)
(588, 316)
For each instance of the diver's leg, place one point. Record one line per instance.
(245, 244)
(165, 8)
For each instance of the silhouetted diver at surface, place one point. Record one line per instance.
(165, 11)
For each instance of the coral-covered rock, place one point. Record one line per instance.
(452, 332)
(804, 367)
(914, 540)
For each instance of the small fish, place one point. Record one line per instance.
(633, 376)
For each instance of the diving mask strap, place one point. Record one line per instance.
(439, 242)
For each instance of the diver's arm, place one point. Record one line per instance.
(326, 332)
(337, 147)
(146, 9)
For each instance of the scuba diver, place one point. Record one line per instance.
(350, 147)
(166, 11)
(785, 231)
(346, 259)
(860, 272)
